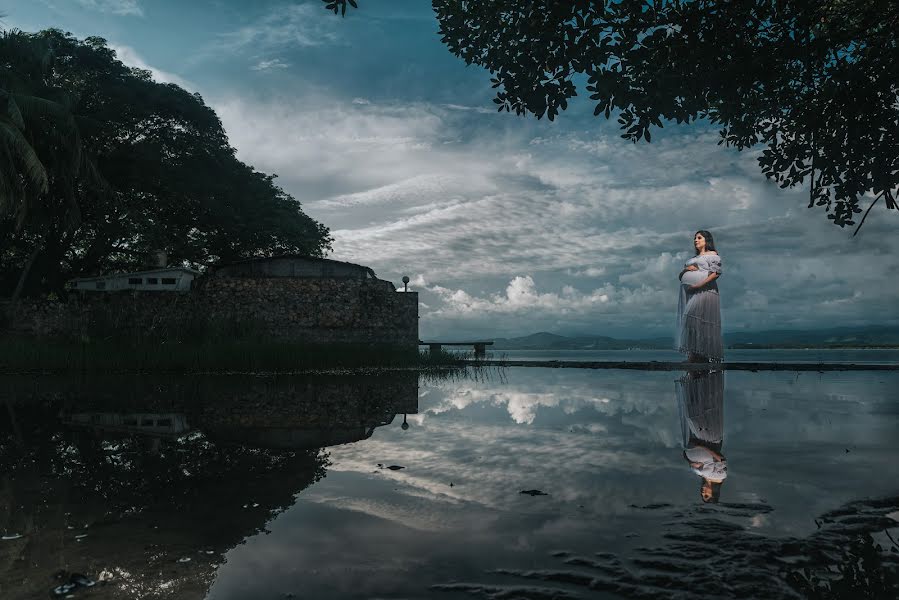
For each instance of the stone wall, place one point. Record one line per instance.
(326, 310)
(305, 310)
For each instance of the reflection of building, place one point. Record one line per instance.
(288, 413)
(154, 424)
(196, 499)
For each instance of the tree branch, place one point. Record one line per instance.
(866, 213)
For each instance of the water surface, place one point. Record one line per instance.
(282, 487)
(869, 356)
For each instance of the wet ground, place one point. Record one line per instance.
(515, 483)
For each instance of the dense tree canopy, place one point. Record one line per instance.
(814, 83)
(100, 165)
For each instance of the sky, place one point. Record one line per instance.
(505, 225)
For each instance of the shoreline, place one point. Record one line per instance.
(683, 366)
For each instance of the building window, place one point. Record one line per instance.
(163, 422)
(152, 280)
(168, 281)
(129, 422)
(146, 422)
(101, 285)
(135, 281)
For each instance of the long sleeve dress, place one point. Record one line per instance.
(699, 311)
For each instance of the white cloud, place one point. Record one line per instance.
(132, 58)
(506, 232)
(268, 65)
(521, 296)
(116, 7)
(286, 26)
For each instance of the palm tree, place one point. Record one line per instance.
(41, 155)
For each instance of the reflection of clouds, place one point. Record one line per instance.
(599, 442)
(522, 406)
(489, 463)
(429, 516)
(493, 478)
(595, 463)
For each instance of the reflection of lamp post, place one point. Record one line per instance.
(405, 283)
(405, 425)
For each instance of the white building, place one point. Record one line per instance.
(168, 279)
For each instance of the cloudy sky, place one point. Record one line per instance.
(506, 225)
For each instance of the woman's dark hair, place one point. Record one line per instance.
(715, 488)
(709, 240)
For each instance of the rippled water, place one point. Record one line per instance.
(237, 487)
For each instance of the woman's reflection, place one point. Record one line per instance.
(700, 401)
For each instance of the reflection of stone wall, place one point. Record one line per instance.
(310, 310)
(194, 497)
(311, 410)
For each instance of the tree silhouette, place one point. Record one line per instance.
(814, 83)
(101, 165)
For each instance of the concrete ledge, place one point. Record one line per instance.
(683, 366)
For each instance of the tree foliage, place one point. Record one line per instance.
(814, 83)
(100, 165)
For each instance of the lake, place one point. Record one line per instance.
(872, 356)
(395, 485)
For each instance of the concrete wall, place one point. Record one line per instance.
(309, 310)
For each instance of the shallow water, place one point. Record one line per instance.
(281, 488)
(862, 356)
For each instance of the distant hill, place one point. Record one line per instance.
(844, 337)
(551, 341)
(838, 337)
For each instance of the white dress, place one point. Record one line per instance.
(699, 311)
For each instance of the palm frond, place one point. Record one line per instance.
(12, 109)
(31, 165)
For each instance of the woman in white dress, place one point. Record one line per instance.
(699, 306)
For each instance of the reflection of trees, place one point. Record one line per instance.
(151, 499)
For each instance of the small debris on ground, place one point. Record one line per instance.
(76, 580)
(533, 493)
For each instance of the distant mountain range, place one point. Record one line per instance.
(838, 337)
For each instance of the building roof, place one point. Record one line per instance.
(314, 262)
(287, 256)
